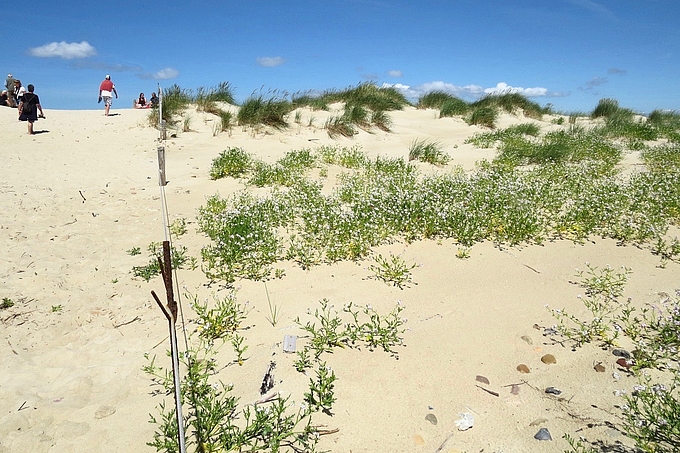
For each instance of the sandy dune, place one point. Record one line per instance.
(79, 194)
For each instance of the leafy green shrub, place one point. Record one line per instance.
(233, 162)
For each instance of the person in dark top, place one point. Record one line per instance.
(154, 100)
(28, 108)
(4, 99)
(140, 103)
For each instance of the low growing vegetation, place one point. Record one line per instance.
(650, 411)
(216, 420)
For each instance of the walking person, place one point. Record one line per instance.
(106, 88)
(28, 108)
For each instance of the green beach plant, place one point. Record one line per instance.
(339, 125)
(606, 107)
(482, 116)
(453, 107)
(233, 162)
(178, 256)
(392, 270)
(6, 303)
(428, 151)
(434, 99)
(603, 289)
(259, 110)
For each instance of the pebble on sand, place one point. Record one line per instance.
(522, 368)
(543, 434)
(549, 359)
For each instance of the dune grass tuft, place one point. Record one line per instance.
(453, 107)
(434, 99)
(259, 110)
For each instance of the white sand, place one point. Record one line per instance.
(79, 194)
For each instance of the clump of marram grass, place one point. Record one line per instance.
(381, 120)
(511, 103)
(483, 116)
(206, 98)
(434, 99)
(453, 107)
(339, 125)
(367, 95)
(606, 107)
(667, 123)
(358, 115)
(175, 101)
(260, 111)
(428, 151)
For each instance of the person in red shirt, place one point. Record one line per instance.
(106, 89)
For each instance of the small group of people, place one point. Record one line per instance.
(107, 89)
(24, 99)
(142, 103)
(13, 91)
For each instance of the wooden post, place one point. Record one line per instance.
(161, 166)
(170, 312)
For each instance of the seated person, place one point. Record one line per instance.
(4, 99)
(154, 100)
(141, 102)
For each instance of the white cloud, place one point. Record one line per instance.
(467, 91)
(270, 62)
(472, 92)
(163, 74)
(504, 88)
(65, 50)
(166, 73)
(395, 73)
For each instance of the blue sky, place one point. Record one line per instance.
(569, 53)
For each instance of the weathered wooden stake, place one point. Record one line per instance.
(162, 181)
(170, 312)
